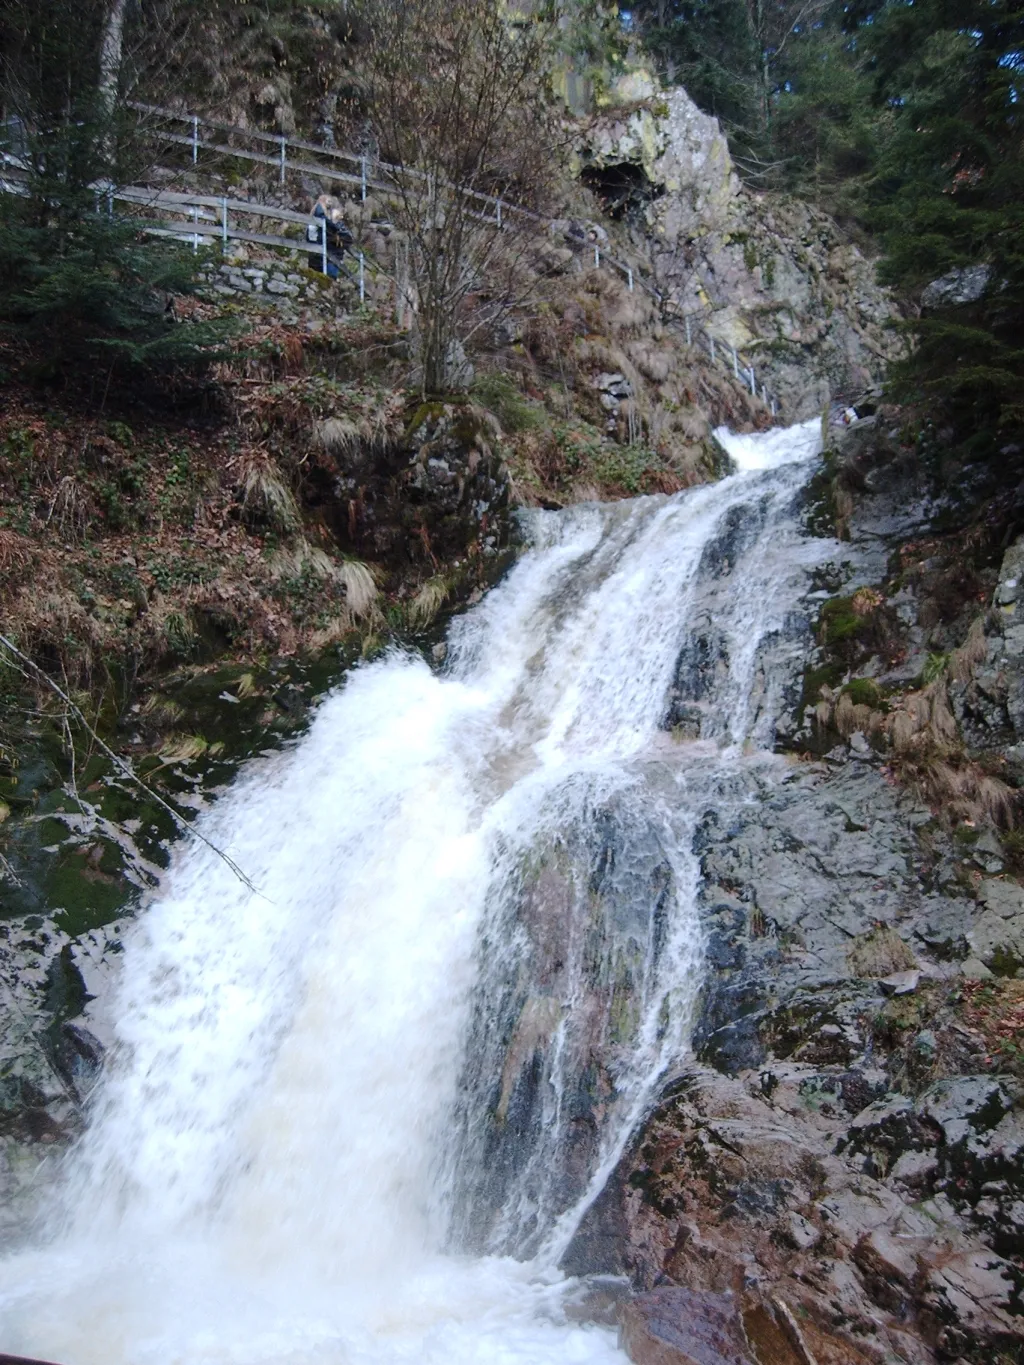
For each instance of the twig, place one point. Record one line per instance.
(124, 767)
(69, 739)
(10, 871)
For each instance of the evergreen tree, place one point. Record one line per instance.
(949, 203)
(709, 47)
(78, 282)
(826, 130)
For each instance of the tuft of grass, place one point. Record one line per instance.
(70, 510)
(161, 711)
(302, 561)
(335, 632)
(934, 667)
(428, 602)
(501, 396)
(341, 436)
(183, 749)
(266, 498)
(360, 588)
(973, 651)
(345, 435)
(954, 786)
(179, 634)
(865, 692)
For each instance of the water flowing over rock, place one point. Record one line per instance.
(473, 952)
(556, 969)
(763, 272)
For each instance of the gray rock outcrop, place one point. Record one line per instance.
(762, 272)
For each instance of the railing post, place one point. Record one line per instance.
(224, 220)
(323, 247)
(773, 407)
(195, 139)
(597, 257)
(362, 182)
(110, 203)
(735, 363)
(689, 337)
(711, 343)
(195, 233)
(362, 278)
(629, 279)
(497, 212)
(284, 157)
(753, 381)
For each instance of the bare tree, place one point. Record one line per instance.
(458, 108)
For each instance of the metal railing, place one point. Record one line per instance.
(365, 175)
(208, 217)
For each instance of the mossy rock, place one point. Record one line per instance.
(425, 413)
(839, 621)
(866, 692)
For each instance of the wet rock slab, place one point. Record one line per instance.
(799, 1159)
(676, 1326)
(799, 1211)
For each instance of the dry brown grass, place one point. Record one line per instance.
(956, 788)
(360, 588)
(428, 602)
(15, 553)
(53, 625)
(265, 497)
(972, 652)
(879, 953)
(346, 435)
(70, 510)
(926, 752)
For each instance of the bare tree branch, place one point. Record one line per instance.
(22, 662)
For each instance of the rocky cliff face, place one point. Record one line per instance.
(763, 272)
(837, 1175)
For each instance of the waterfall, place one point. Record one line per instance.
(356, 1117)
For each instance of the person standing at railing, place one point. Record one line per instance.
(328, 217)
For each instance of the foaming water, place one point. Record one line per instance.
(286, 1153)
(771, 449)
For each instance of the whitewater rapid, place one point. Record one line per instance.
(269, 1172)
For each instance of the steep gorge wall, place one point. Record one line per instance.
(835, 1176)
(765, 273)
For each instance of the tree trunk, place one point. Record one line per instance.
(110, 55)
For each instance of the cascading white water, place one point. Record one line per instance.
(270, 1170)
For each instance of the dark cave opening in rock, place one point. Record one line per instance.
(623, 189)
